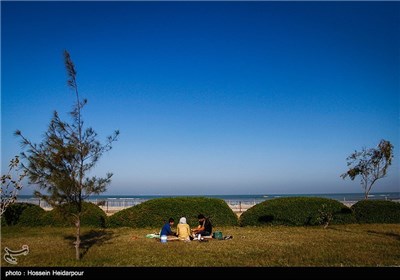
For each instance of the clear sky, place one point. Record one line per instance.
(210, 97)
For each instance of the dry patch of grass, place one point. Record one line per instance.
(344, 245)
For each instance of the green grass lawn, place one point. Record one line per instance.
(344, 245)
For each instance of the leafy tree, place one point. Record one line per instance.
(370, 164)
(60, 164)
(10, 185)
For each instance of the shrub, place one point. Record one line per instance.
(377, 211)
(154, 212)
(20, 211)
(92, 215)
(32, 216)
(297, 211)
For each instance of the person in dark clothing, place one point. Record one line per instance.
(205, 227)
(166, 229)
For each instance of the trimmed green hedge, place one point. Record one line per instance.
(21, 212)
(32, 216)
(26, 214)
(377, 211)
(154, 212)
(296, 211)
(92, 216)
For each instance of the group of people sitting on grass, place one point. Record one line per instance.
(183, 231)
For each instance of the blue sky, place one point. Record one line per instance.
(210, 97)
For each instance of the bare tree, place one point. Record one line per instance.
(60, 163)
(370, 165)
(10, 185)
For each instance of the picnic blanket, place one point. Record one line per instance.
(157, 236)
(152, 235)
(174, 238)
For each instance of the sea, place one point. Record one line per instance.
(231, 199)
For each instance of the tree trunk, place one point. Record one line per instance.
(78, 238)
(367, 192)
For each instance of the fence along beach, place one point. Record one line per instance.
(238, 203)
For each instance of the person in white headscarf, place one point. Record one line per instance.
(183, 230)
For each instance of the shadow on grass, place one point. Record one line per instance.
(385, 234)
(91, 238)
(388, 234)
(333, 227)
